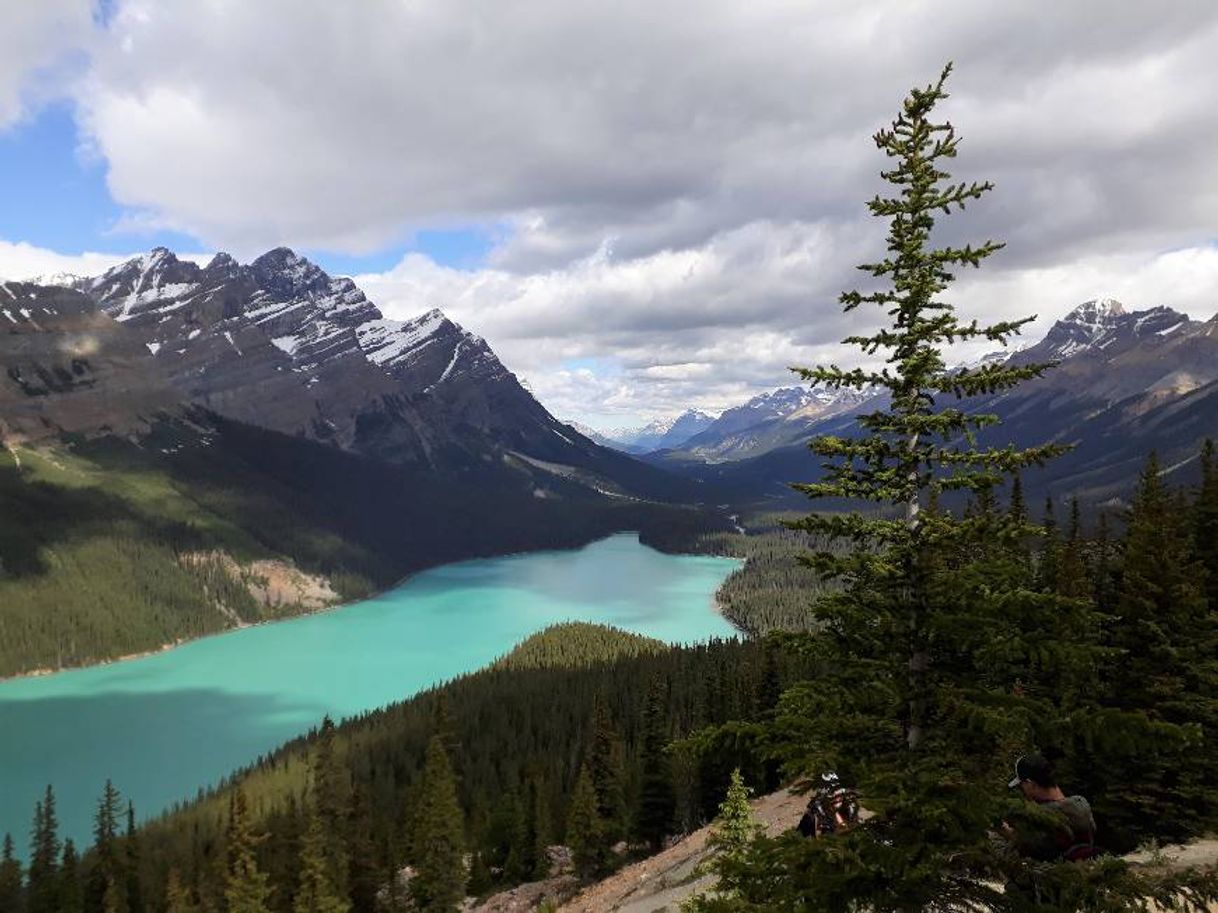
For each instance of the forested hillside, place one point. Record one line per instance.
(111, 547)
(518, 737)
(587, 714)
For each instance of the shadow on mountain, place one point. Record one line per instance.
(40, 515)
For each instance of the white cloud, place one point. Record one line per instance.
(34, 42)
(683, 192)
(20, 261)
(603, 338)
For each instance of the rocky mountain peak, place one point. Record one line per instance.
(1104, 324)
(222, 264)
(284, 272)
(1097, 312)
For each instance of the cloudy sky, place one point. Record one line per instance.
(643, 206)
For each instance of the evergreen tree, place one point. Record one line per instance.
(735, 828)
(1072, 577)
(131, 848)
(71, 892)
(585, 830)
(1205, 524)
(1104, 571)
(439, 883)
(12, 892)
(1018, 508)
(1049, 560)
(1160, 605)
(513, 832)
(315, 891)
(365, 875)
(246, 888)
(42, 893)
(606, 763)
(1166, 669)
(540, 831)
(332, 788)
(177, 895)
(104, 889)
(657, 802)
(939, 662)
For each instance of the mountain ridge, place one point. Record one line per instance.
(1126, 382)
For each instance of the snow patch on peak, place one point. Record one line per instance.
(1095, 313)
(59, 280)
(388, 341)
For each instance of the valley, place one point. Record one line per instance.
(168, 725)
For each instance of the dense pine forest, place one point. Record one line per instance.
(511, 744)
(610, 743)
(152, 526)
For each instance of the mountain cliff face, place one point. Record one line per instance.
(280, 344)
(68, 368)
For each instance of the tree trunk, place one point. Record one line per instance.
(919, 658)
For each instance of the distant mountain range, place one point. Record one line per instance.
(661, 434)
(280, 344)
(1127, 383)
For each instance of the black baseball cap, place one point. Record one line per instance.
(1034, 767)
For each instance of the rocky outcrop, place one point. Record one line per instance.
(66, 367)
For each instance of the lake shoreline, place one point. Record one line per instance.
(163, 728)
(45, 671)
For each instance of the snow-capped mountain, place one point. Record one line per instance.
(767, 421)
(281, 344)
(595, 436)
(1126, 383)
(663, 433)
(1104, 324)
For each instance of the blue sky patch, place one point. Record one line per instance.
(55, 197)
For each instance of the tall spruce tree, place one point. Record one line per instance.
(441, 877)
(607, 765)
(316, 891)
(1166, 670)
(1073, 580)
(940, 663)
(540, 828)
(657, 801)
(42, 895)
(132, 856)
(71, 891)
(1048, 563)
(332, 793)
(12, 888)
(246, 886)
(1205, 523)
(585, 829)
(365, 873)
(106, 880)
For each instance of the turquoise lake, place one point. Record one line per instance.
(165, 725)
